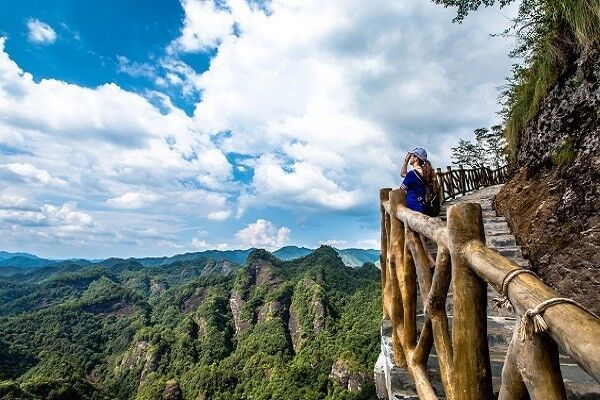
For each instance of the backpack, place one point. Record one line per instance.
(432, 203)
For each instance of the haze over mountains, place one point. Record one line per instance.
(11, 263)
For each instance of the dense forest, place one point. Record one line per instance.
(193, 329)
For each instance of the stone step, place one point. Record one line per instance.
(501, 241)
(514, 253)
(496, 226)
(491, 220)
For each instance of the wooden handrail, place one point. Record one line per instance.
(531, 366)
(454, 182)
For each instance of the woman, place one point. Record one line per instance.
(416, 183)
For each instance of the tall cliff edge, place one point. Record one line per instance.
(552, 201)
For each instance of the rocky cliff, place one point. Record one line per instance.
(552, 201)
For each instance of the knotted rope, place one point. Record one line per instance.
(503, 301)
(532, 321)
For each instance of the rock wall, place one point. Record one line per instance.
(552, 202)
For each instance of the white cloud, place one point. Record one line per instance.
(204, 26)
(263, 234)
(132, 200)
(65, 217)
(301, 183)
(135, 69)
(13, 201)
(40, 32)
(103, 141)
(199, 244)
(340, 90)
(31, 174)
(219, 215)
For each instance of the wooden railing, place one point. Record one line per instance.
(531, 365)
(455, 182)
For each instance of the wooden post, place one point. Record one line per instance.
(396, 250)
(462, 182)
(471, 359)
(450, 182)
(383, 196)
(532, 369)
(440, 179)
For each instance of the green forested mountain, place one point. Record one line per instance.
(199, 329)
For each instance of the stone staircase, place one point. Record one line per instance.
(395, 384)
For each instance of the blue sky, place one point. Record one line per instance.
(160, 127)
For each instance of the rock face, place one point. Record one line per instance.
(194, 300)
(133, 356)
(553, 200)
(236, 303)
(270, 310)
(308, 312)
(157, 287)
(172, 391)
(351, 381)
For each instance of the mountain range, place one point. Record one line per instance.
(11, 263)
(194, 328)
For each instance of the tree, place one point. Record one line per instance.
(464, 7)
(550, 36)
(489, 149)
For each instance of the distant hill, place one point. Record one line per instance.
(236, 256)
(292, 252)
(351, 258)
(357, 257)
(5, 255)
(25, 261)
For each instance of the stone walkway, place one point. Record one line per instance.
(395, 384)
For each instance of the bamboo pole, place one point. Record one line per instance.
(472, 371)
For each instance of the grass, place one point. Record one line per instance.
(564, 154)
(553, 34)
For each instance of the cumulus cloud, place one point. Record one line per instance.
(318, 99)
(132, 200)
(31, 174)
(219, 215)
(300, 183)
(199, 244)
(65, 217)
(263, 234)
(40, 32)
(205, 24)
(104, 140)
(340, 90)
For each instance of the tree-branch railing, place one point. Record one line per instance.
(456, 182)
(531, 366)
